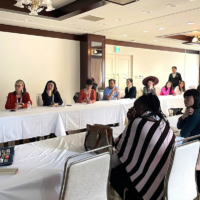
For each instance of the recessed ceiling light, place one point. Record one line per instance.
(161, 28)
(28, 20)
(145, 31)
(102, 24)
(83, 28)
(195, 31)
(193, 0)
(124, 35)
(118, 19)
(147, 12)
(190, 23)
(171, 5)
(155, 40)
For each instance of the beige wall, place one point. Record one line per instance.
(158, 63)
(36, 60)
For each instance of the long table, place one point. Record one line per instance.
(42, 121)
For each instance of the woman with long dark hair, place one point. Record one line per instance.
(180, 89)
(19, 98)
(167, 89)
(51, 96)
(143, 151)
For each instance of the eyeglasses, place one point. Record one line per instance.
(18, 86)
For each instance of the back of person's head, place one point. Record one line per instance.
(152, 104)
(112, 80)
(196, 96)
(24, 92)
(55, 87)
(89, 82)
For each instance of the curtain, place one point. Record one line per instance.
(96, 67)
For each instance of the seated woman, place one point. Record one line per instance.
(167, 89)
(143, 150)
(87, 95)
(189, 122)
(149, 83)
(51, 96)
(180, 88)
(19, 98)
(130, 90)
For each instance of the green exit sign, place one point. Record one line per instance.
(117, 49)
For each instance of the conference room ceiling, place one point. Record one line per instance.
(124, 23)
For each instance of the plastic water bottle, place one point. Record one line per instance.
(29, 105)
(64, 103)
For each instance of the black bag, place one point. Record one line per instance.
(75, 98)
(6, 156)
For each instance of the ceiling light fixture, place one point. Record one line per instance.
(145, 31)
(35, 6)
(161, 28)
(190, 23)
(147, 12)
(118, 19)
(28, 20)
(193, 0)
(196, 39)
(195, 31)
(102, 24)
(171, 5)
(124, 35)
(155, 40)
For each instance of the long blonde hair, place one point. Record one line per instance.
(24, 92)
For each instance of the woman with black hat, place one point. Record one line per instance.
(149, 83)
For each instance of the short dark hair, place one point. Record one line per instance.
(174, 67)
(112, 80)
(89, 82)
(130, 79)
(196, 95)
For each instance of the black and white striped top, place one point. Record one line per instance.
(144, 149)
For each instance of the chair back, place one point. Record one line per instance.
(39, 99)
(100, 95)
(180, 180)
(87, 178)
(157, 91)
(75, 98)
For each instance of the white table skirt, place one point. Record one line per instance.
(41, 166)
(42, 121)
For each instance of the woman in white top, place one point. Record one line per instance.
(180, 89)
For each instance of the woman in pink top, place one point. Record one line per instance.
(167, 89)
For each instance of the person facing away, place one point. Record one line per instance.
(149, 83)
(130, 90)
(19, 98)
(180, 89)
(87, 95)
(143, 151)
(167, 89)
(112, 91)
(175, 77)
(51, 97)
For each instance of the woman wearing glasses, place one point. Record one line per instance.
(19, 98)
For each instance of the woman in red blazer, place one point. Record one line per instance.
(19, 98)
(87, 95)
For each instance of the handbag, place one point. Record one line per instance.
(6, 156)
(98, 136)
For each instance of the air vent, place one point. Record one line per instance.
(122, 2)
(92, 18)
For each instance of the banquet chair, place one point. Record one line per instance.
(87, 178)
(180, 180)
(39, 99)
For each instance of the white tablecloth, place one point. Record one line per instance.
(41, 166)
(42, 121)
(166, 102)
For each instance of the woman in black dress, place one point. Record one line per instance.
(51, 96)
(130, 90)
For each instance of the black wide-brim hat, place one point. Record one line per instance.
(155, 80)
